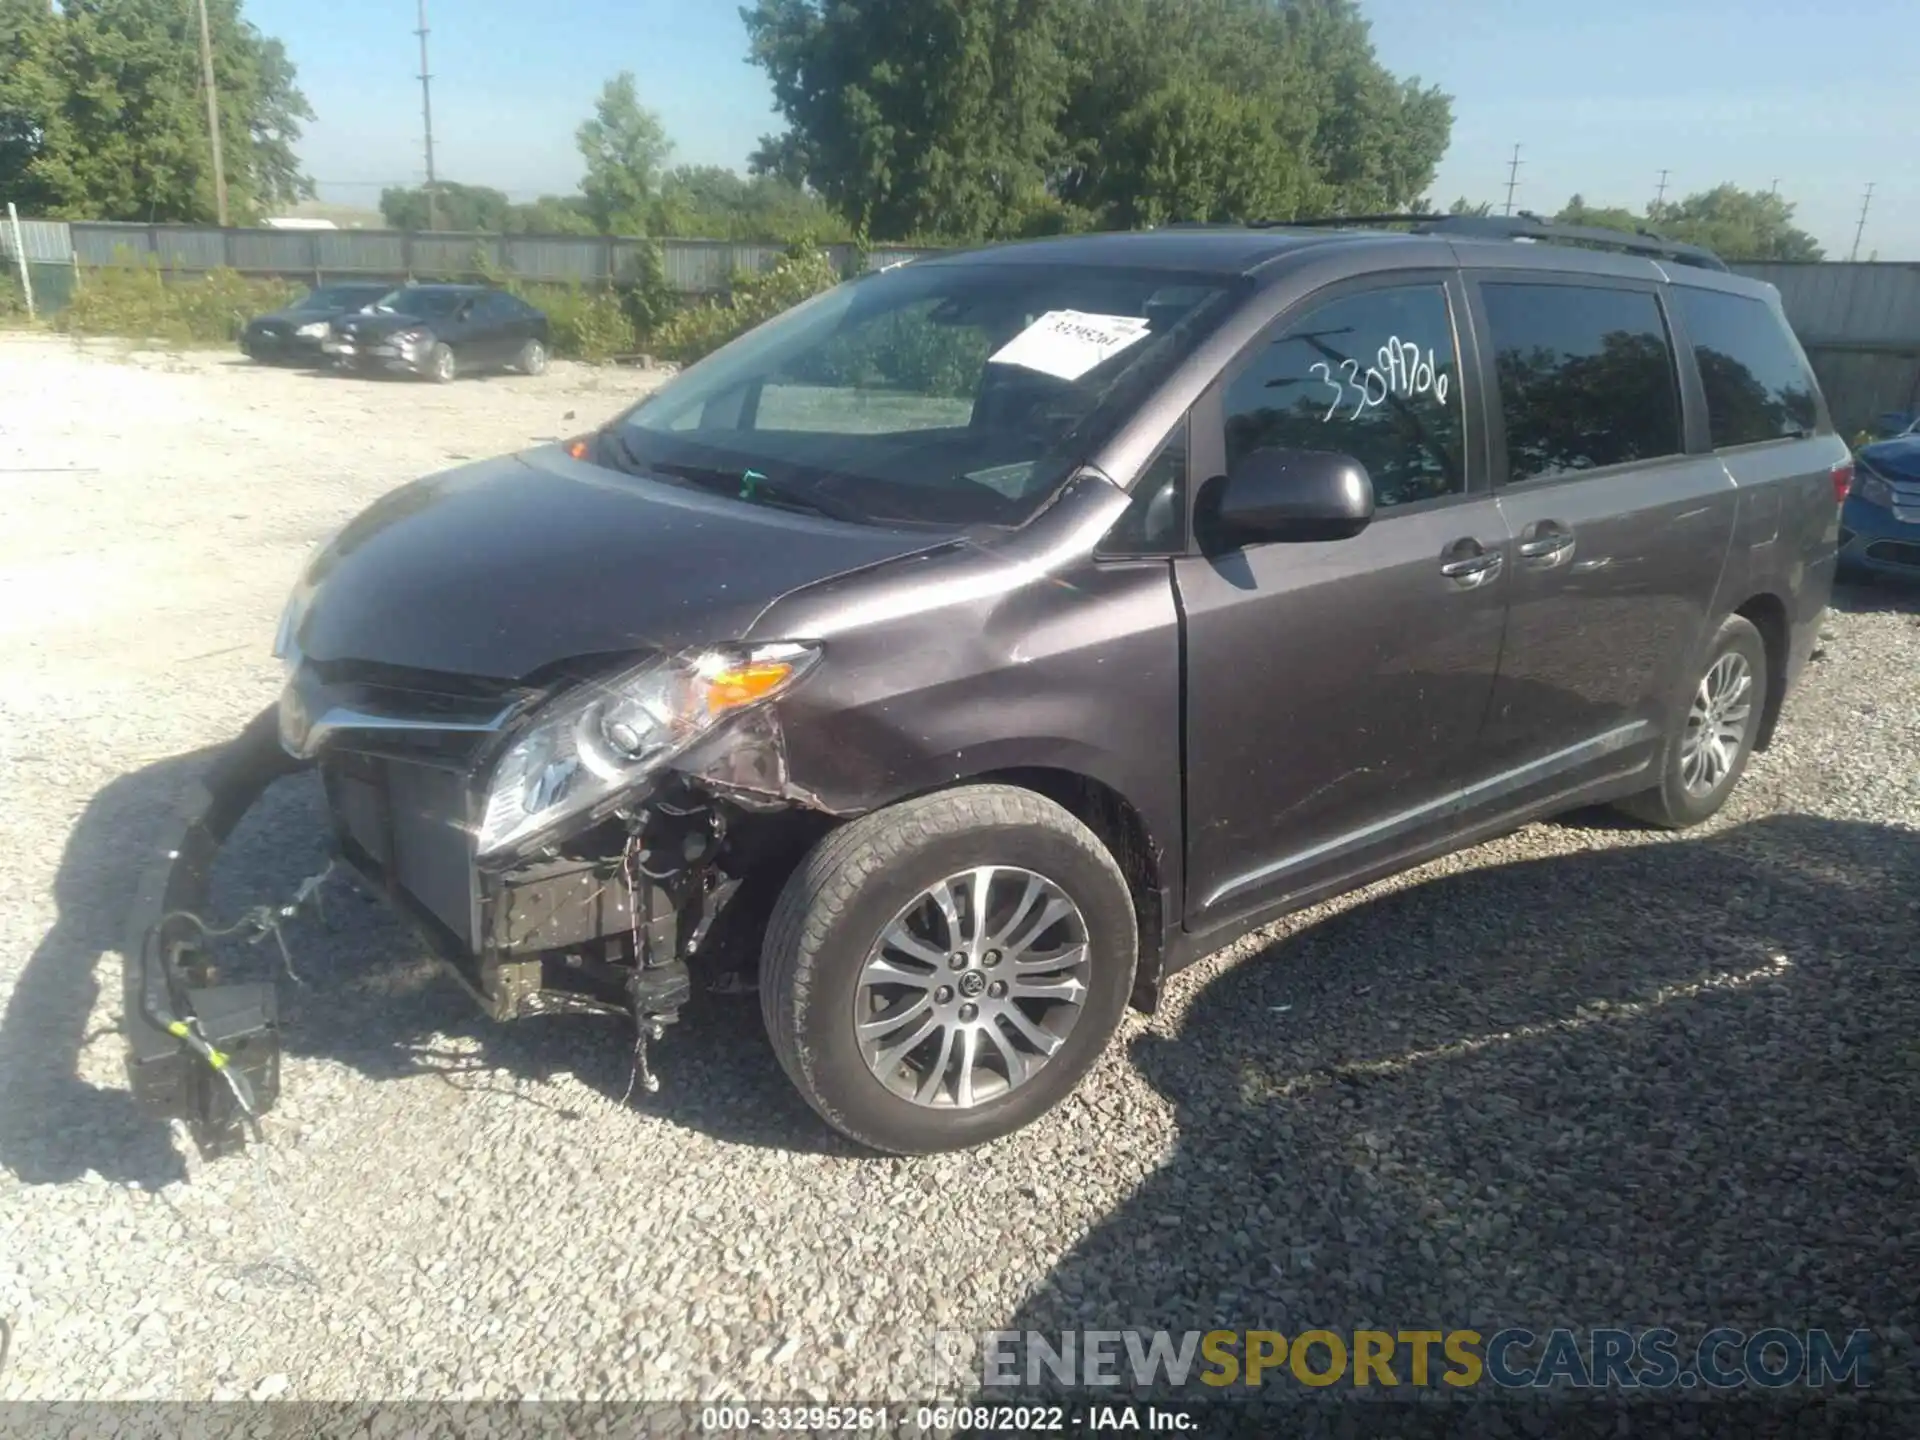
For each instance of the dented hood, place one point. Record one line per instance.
(500, 569)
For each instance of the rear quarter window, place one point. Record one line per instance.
(1756, 378)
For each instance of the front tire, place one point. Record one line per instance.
(1707, 752)
(942, 972)
(442, 367)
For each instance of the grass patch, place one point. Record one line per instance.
(144, 302)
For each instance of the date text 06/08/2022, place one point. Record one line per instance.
(945, 1419)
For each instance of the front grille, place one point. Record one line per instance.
(1895, 552)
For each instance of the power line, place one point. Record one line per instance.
(426, 116)
(1513, 177)
(1861, 228)
(213, 117)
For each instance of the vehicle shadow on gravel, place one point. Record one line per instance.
(371, 1000)
(1672, 1083)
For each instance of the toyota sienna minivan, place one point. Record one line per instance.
(960, 654)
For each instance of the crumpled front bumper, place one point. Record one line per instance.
(182, 1028)
(521, 942)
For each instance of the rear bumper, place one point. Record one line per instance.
(1873, 540)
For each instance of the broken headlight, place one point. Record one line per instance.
(584, 753)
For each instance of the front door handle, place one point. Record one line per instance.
(1548, 542)
(1470, 565)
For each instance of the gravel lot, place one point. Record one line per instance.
(1583, 1075)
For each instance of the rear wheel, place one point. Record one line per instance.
(442, 367)
(940, 973)
(1707, 753)
(532, 359)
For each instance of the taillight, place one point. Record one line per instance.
(1842, 481)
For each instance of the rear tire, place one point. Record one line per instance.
(1707, 750)
(842, 1014)
(442, 367)
(532, 359)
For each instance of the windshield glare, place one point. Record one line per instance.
(410, 301)
(948, 394)
(337, 297)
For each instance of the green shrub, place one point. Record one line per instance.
(695, 333)
(584, 324)
(145, 302)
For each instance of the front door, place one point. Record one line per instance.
(1335, 689)
(1620, 535)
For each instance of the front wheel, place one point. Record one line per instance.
(1707, 753)
(942, 972)
(442, 367)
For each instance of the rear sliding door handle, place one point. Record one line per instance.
(1548, 542)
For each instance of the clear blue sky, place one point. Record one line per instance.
(1601, 98)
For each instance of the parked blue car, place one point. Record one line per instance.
(1880, 525)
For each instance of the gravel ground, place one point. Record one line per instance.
(1583, 1075)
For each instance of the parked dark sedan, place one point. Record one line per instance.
(441, 331)
(297, 332)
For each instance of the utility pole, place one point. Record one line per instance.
(213, 117)
(1513, 177)
(1861, 228)
(426, 116)
(1660, 196)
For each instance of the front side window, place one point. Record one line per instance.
(1757, 382)
(1375, 376)
(946, 394)
(1586, 377)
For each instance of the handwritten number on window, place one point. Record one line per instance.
(1326, 378)
(1403, 370)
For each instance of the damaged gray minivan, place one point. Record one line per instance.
(961, 653)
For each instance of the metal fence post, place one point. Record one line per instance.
(20, 258)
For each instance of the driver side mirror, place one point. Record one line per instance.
(1277, 496)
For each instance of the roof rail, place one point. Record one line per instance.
(1523, 226)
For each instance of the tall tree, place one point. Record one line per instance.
(987, 117)
(102, 115)
(625, 147)
(1735, 224)
(913, 118)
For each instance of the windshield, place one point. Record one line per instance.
(428, 303)
(942, 394)
(339, 297)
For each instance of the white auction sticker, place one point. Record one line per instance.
(1069, 343)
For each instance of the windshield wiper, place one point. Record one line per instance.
(749, 485)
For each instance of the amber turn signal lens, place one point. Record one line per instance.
(744, 684)
(578, 449)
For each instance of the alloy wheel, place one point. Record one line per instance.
(1717, 724)
(973, 987)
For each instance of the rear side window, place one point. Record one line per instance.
(1757, 382)
(1375, 376)
(1586, 377)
